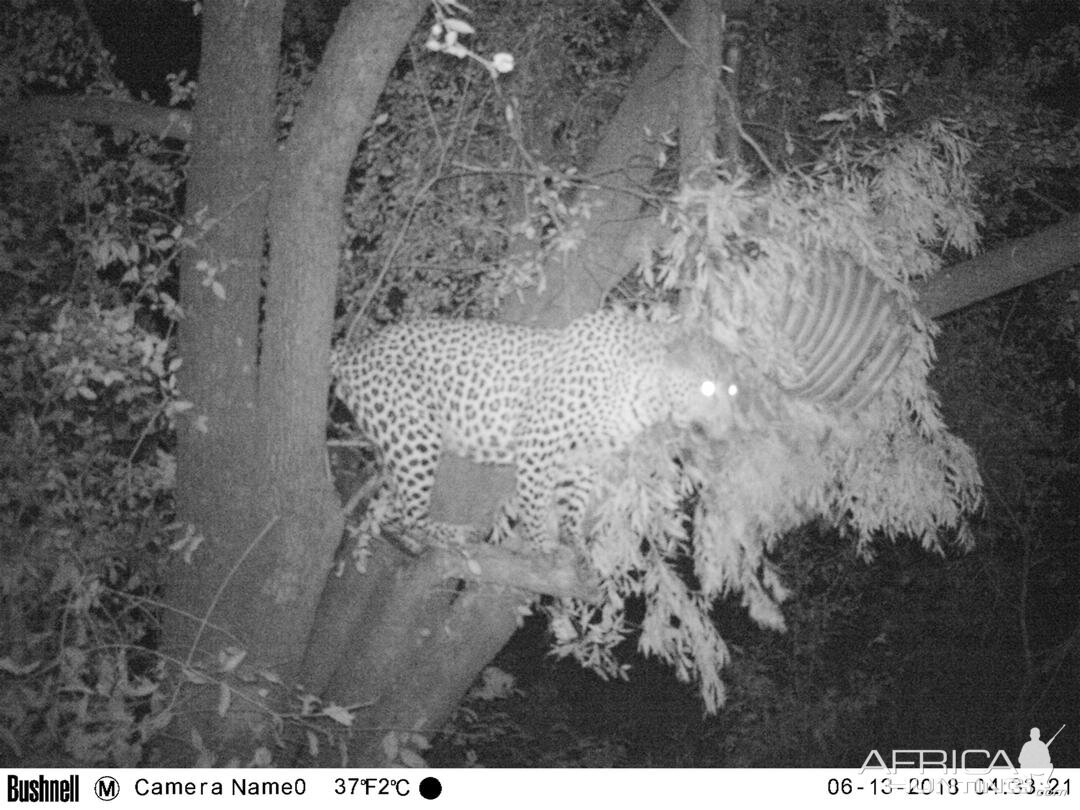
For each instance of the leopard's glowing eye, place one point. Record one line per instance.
(708, 388)
(732, 390)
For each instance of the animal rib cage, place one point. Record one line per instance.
(848, 335)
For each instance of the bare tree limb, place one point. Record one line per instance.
(612, 240)
(1014, 264)
(136, 115)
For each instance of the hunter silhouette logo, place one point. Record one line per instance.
(1035, 754)
(1034, 757)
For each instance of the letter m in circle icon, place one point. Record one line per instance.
(106, 788)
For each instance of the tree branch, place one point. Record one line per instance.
(1015, 263)
(556, 574)
(1018, 262)
(612, 240)
(136, 115)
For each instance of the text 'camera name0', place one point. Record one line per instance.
(238, 787)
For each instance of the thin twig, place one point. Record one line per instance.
(404, 230)
(221, 588)
(93, 35)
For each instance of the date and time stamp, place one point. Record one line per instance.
(924, 785)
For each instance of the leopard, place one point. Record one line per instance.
(548, 401)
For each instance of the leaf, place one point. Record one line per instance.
(141, 687)
(308, 704)
(224, 699)
(230, 658)
(9, 665)
(262, 757)
(159, 721)
(411, 759)
(194, 676)
(458, 26)
(338, 714)
(390, 746)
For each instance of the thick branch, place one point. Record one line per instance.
(437, 674)
(613, 236)
(136, 115)
(557, 574)
(1015, 263)
(619, 232)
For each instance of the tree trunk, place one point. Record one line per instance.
(700, 91)
(306, 227)
(399, 596)
(232, 157)
(255, 483)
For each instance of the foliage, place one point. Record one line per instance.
(893, 470)
(892, 205)
(1005, 75)
(522, 728)
(1018, 357)
(43, 49)
(88, 398)
(977, 642)
(478, 721)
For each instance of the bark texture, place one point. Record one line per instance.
(1017, 262)
(227, 190)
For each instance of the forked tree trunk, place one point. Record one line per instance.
(255, 482)
(459, 628)
(252, 472)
